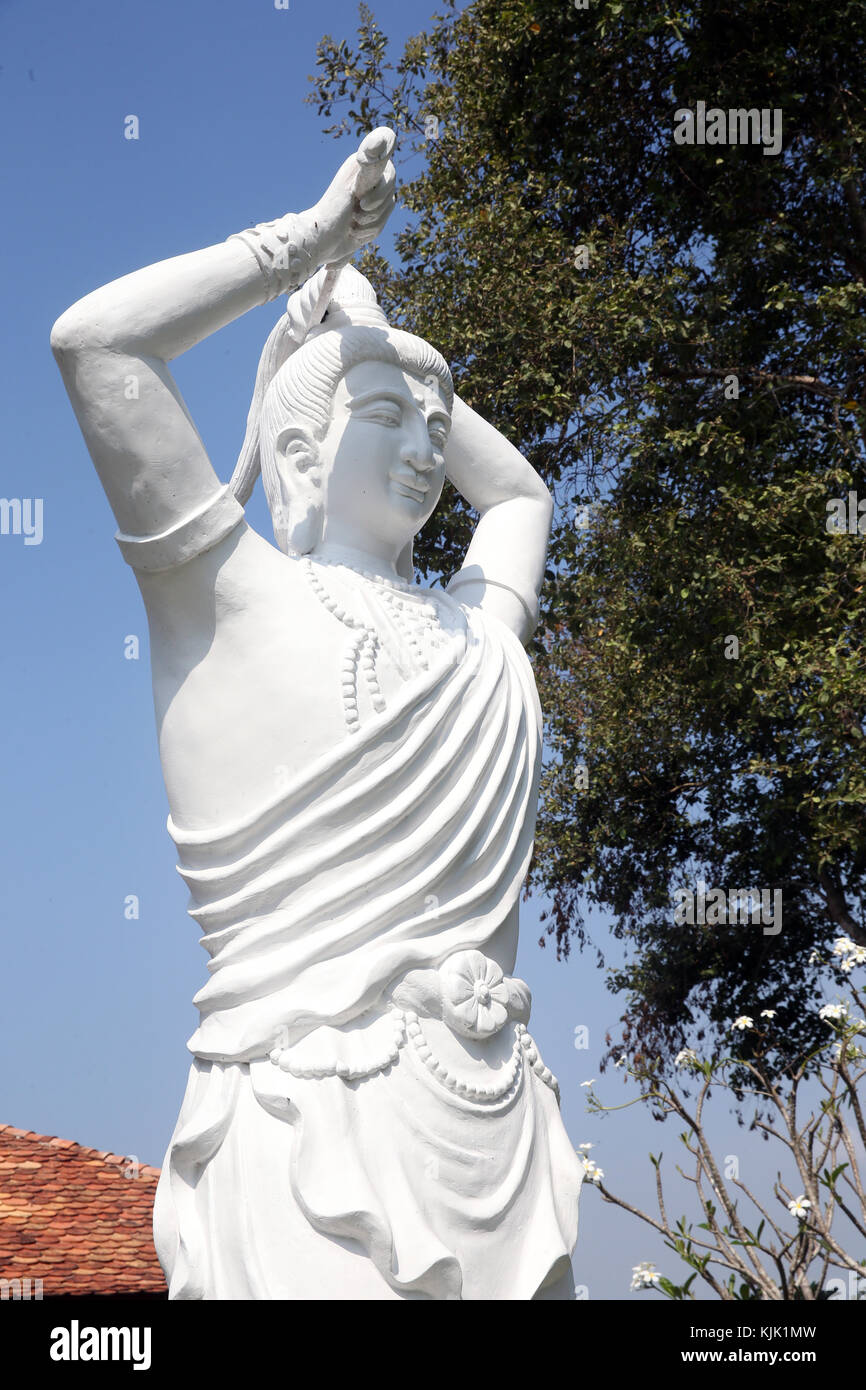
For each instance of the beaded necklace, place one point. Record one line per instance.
(412, 614)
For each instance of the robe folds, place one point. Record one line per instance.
(366, 1114)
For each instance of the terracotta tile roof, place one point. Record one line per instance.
(78, 1219)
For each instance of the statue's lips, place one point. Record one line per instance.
(415, 487)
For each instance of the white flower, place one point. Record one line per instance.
(687, 1058)
(474, 997)
(591, 1169)
(644, 1275)
(768, 1013)
(800, 1207)
(586, 1146)
(588, 1083)
(852, 953)
(622, 1061)
(814, 959)
(743, 1022)
(833, 1012)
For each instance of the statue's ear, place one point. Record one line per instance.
(298, 518)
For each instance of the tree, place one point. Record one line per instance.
(672, 333)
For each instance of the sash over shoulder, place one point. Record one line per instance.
(407, 842)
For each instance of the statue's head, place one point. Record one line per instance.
(352, 431)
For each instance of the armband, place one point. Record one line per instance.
(188, 538)
(531, 612)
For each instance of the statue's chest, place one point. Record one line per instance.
(327, 657)
(378, 637)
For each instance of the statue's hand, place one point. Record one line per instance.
(357, 204)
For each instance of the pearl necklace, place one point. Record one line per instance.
(414, 617)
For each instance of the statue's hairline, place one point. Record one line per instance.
(401, 365)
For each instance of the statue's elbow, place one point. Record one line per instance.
(66, 333)
(75, 331)
(543, 498)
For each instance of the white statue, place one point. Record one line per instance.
(352, 770)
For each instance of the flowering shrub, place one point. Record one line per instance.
(759, 1254)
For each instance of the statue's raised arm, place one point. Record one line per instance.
(113, 345)
(504, 566)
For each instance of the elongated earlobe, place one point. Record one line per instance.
(406, 564)
(304, 530)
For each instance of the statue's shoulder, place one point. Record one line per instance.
(240, 576)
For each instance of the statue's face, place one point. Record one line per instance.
(383, 458)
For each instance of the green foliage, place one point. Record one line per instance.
(707, 505)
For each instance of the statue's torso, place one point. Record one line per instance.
(356, 883)
(252, 672)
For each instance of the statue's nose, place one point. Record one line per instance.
(419, 452)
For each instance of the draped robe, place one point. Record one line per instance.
(329, 1145)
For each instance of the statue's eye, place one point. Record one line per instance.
(384, 415)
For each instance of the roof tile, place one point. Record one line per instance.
(72, 1217)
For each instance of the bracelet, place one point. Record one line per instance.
(280, 252)
(531, 613)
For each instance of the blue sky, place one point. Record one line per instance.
(96, 1007)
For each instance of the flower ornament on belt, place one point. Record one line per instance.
(475, 996)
